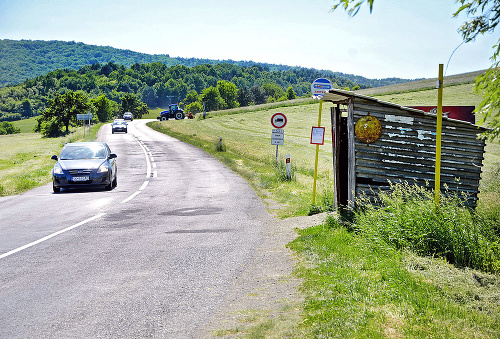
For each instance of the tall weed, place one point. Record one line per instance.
(407, 218)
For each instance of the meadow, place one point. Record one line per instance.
(25, 157)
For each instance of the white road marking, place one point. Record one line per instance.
(144, 185)
(131, 197)
(52, 235)
(149, 161)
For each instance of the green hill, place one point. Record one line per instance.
(23, 59)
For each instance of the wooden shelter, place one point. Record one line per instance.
(398, 145)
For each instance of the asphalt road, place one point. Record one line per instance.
(154, 257)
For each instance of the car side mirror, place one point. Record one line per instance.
(54, 157)
(112, 156)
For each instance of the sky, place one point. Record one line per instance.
(400, 38)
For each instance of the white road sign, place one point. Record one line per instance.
(319, 87)
(278, 137)
(87, 116)
(278, 120)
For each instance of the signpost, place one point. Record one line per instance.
(278, 121)
(84, 117)
(278, 137)
(318, 135)
(318, 88)
(439, 128)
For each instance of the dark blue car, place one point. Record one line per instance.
(84, 164)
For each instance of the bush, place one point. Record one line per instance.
(51, 128)
(194, 107)
(8, 128)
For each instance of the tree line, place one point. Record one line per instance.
(155, 84)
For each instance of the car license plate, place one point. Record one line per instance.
(80, 178)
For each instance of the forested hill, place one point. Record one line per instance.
(24, 59)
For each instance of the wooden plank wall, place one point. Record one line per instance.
(406, 152)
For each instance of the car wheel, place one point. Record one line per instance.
(179, 116)
(109, 186)
(125, 131)
(56, 189)
(112, 132)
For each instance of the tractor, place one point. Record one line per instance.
(173, 112)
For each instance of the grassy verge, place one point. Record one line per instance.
(357, 287)
(25, 158)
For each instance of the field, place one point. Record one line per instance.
(25, 158)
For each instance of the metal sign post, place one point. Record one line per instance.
(278, 120)
(439, 127)
(84, 117)
(277, 138)
(319, 87)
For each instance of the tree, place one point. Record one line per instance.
(27, 110)
(61, 111)
(148, 96)
(228, 93)
(273, 91)
(104, 108)
(245, 97)
(191, 97)
(212, 98)
(290, 93)
(258, 94)
(130, 103)
(8, 128)
(485, 18)
(194, 107)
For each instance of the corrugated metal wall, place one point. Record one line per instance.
(407, 147)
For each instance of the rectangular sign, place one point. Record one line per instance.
(318, 135)
(278, 137)
(87, 116)
(464, 113)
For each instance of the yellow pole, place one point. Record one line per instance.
(317, 153)
(439, 127)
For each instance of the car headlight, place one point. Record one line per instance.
(58, 169)
(103, 168)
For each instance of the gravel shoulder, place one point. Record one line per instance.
(266, 293)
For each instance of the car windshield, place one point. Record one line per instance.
(83, 152)
(119, 123)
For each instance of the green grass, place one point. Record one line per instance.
(406, 218)
(356, 287)
(26, 125)
(25, 158)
